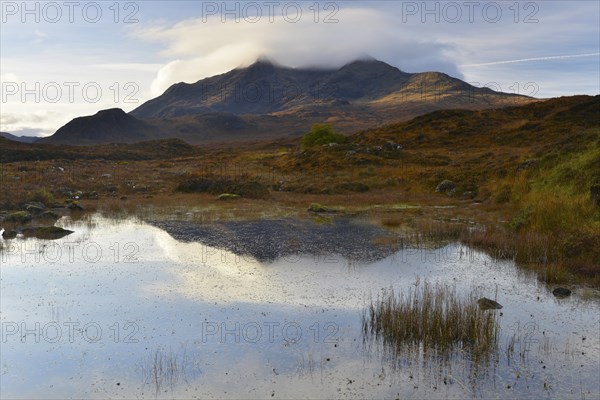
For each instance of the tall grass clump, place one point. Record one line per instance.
(434, 319)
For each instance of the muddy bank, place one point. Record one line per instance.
(268, 240)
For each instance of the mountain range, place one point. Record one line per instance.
(22, 139)
(266, 100)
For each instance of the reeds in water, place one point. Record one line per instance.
(433, 318)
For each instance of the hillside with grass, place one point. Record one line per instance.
(535, 166)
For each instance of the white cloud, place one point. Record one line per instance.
(10, 77)
(39, 36)
(201, 49)
(521, 60)
(35, 123)
(137, 67)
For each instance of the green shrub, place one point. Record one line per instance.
(520, 220)
(321, 134)
(18, 217)
(43, 196)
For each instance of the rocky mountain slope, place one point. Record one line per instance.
(266, 100)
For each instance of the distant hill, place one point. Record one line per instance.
(553, 125)
(116, 126)
(22, 139)
(151, 150)
(266, 100)
(107, 126)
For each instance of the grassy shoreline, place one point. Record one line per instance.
(414, 218)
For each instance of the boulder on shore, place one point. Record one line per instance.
(488, 304)
(561, 292)
(446, 186)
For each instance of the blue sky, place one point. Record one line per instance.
(74, 61)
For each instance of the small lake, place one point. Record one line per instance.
(123, 308)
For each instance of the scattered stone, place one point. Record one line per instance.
(488, 304)
(9, 234)
(318, 208)
(526, 164)
(141, 188)
(36, 204)
(111, 189)
(48, 215)
(66, 191)
(446, 186)
(561, 292)
(34, 207)
(392, 146)
(228, 196)
(75, 206)
(46, 232)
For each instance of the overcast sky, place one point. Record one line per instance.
(62, 60)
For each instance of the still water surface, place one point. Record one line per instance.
(121, 309)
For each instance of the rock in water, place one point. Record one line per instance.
(46, 232)
(9, 234)
(48, 215)
(34, 207)
(561, 292)
(488, 304)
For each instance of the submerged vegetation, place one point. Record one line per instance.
(164, 369)
(433, 318)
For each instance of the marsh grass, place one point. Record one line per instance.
(554, 273)
(433, 318)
